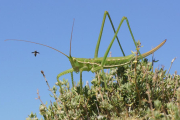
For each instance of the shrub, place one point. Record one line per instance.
(134, 92)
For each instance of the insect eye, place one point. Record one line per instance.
(74, 59)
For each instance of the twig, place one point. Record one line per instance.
(40, 99)
(41, 102)
(171, 64)
(109, 56)
(149, 98)
(51, 89)
(97, 108)
(153, 60)
(176, 84)
(55, 115)
(138, 47)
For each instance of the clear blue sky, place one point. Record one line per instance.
(50, 22)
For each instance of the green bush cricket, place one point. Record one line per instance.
(95, 64)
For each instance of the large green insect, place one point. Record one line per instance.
(95, 64)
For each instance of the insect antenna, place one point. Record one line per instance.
(38, 44)
(71, 38)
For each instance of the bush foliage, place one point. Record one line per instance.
(135, 91)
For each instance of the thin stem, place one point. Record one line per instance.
(81, 82)
(56, 98)
(171, 64)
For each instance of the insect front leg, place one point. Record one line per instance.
(84, 68)
(63, 73)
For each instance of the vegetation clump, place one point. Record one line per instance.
(135, 91)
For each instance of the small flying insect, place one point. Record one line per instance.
(35, 53)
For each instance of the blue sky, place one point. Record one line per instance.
(50, 22)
